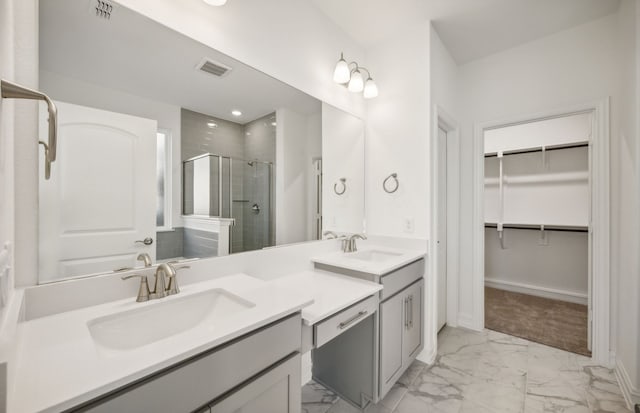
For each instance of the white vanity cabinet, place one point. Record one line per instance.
(258, 372)
(398, 333)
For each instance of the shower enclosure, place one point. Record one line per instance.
(224, 187)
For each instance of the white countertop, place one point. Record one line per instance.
(397, 258)
(59, 365)
(331, 292)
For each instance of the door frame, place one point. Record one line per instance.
(446, 122)
(599, 226)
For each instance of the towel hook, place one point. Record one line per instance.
(393, 176)
(344, 186)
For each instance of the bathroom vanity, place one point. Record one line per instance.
(364, 375)
(227, 343)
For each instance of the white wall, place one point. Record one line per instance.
(314, 151)
(579, 65)
(397, 131)
(397, 141)
(291, 177)
(625, 206)
(66, 89)
(343, 145)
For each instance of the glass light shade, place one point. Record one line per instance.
(341, 74)
(356, 84)
(370, 89)
(215, 2)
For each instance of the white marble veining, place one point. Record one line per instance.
(492, 372)
(387, 259)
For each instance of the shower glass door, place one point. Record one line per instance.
(251, 205)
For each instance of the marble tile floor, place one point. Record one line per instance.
(489, 372)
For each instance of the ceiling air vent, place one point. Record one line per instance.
(213, 68)
(102, 9)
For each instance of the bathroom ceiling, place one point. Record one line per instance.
(136, 55)
(470, 29)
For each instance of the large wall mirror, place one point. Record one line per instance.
(171, 148)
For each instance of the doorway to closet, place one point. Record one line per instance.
(537, 243)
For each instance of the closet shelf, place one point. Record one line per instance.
(541, 178)
(580, 144)
(537, 227)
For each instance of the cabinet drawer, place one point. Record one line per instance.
(193, 383)
(399, 279)
(329, 328)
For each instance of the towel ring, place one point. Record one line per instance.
(393, 176)
(344, 186)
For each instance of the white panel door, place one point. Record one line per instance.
(442, 228)
(101, 197)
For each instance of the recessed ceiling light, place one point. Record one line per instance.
(236, 113)
(215, 2)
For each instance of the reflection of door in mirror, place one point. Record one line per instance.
(98, 202)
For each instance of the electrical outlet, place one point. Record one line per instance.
(408, 225)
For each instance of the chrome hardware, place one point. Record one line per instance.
(344, 186)
(146, 241)
(410, 301)
(330, 235)
(143, 291)
(165, 284)
(173, 288)
(14, 91)
(160, 285)
(146, 258)
(406, 313)
(123, 269)
(352, 320)
(349, 244)
(393, 176)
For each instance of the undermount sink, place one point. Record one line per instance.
(134, 328)
(373, 255)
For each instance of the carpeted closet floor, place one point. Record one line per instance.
(554, 323)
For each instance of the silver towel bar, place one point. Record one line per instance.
(11, 90)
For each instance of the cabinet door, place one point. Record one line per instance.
(412, 342)
(392, 322)
(276, 391)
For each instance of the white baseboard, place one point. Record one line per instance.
(466, 321)
(630, 393)
(555, 294)
(428, 356)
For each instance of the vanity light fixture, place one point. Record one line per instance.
(215, 2)
(236, 113)
(350, 75)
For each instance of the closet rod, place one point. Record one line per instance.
(547, 148)
(537, 227)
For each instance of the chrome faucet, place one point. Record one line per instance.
(349, 244)
(146, 258)
(166, 272)
(330, 235)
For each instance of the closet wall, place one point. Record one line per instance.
(537, 210)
